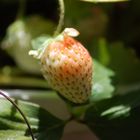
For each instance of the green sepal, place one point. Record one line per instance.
(41, 43)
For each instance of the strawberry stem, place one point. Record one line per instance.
(61, 18)
(22, 114)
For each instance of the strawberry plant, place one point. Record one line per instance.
(93, 82)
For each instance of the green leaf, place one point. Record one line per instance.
(102, 87)
(12, 134)
(37, 42)
(43, 123)
(19, 35)
(116, 111)
(110, 108)
(108, 118)
(125, 63)
(17, 43)
(54, 133)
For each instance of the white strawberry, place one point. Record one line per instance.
(67, 66)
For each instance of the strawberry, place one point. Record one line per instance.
(67, 66)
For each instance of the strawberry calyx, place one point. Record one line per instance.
(37, 52)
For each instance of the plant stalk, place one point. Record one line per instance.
(61, 17)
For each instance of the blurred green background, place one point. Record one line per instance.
(113, 21)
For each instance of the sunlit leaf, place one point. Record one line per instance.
(43, 123)
(13, 135)
(117, 111)
(102, 86)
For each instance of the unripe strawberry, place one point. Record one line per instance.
(67, 66)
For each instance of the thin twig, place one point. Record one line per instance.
(61, 17)
(22, 114)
